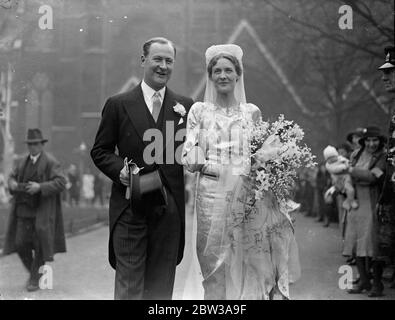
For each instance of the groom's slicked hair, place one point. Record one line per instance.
(161, 40)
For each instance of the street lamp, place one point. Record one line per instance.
(82, 149)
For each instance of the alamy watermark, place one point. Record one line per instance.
(46, 279)
(229, 148)
(346, 19)
(46, 20)
(346, 278)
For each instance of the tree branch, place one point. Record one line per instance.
(334, 37)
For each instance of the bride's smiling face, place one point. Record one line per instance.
(224, 76)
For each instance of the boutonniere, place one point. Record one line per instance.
(180, 109)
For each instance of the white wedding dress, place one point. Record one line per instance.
(241, 250)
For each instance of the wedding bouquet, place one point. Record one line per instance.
(277, 153)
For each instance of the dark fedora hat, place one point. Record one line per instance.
(34, 136)
(372, 132)
(357, 132)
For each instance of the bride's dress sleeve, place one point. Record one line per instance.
(255, 112)
(193, 157)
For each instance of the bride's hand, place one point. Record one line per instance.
(195, 159)
(210, 169)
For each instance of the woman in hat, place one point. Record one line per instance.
(354, 136)
(367, 169)
(239, 259)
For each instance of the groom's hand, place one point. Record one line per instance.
(124, 176)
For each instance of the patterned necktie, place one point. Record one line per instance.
(156, 105)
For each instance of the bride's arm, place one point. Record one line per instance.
(193, 157)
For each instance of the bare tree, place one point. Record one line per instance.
(336, 70)
(372, 25)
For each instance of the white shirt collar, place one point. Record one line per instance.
(34, 158)
(149, 92)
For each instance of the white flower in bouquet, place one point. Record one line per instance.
(291, 151)
(269, 150)
(263, 177)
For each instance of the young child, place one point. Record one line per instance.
(336, 166)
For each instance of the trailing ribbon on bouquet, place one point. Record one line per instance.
(224, 240)
(242, 232)
(270, 149)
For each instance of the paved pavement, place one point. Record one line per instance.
(81, 273)
(320, 256)
(84, 273)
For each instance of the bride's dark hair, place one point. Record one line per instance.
(231, 58)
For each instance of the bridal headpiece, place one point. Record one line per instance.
(233, 50)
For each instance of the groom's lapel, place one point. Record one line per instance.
(168, 113)
(136, 109)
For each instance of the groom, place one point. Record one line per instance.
(146, 237)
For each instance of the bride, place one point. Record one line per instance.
(245, 249)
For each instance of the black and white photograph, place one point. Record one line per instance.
(198, 151)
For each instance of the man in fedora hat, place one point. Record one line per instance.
(35, 226)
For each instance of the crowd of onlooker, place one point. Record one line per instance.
(87, 189)
(354, 186)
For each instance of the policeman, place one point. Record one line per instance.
(386, 208)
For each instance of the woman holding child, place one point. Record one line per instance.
(367, 169)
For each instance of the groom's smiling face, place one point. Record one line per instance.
(158, 65)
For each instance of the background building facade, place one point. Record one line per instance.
(61, 77)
